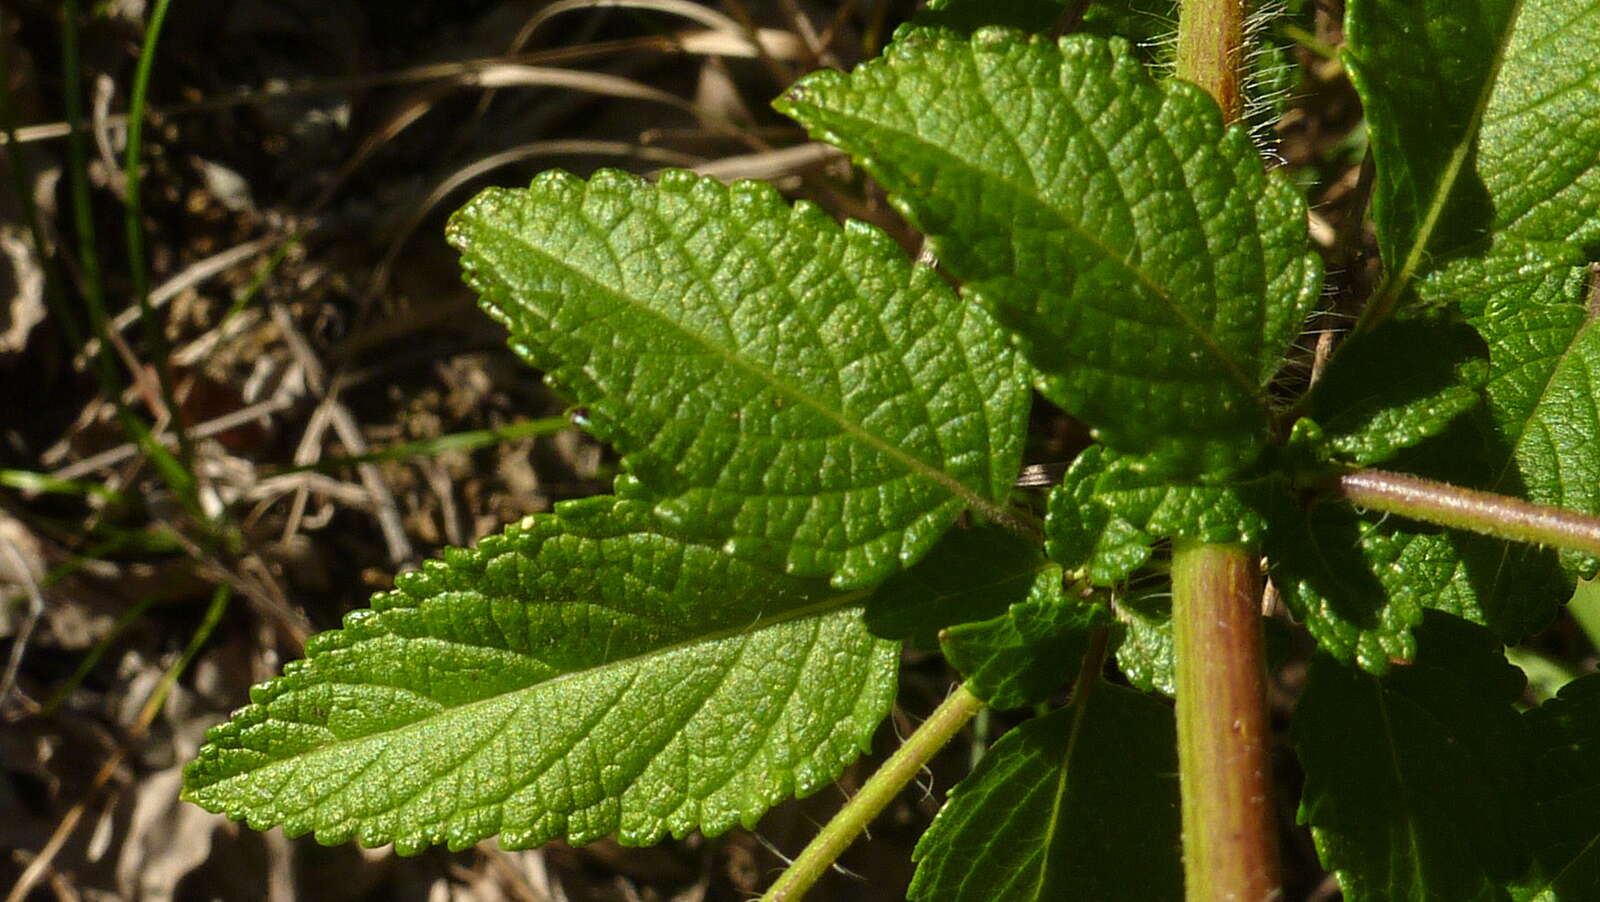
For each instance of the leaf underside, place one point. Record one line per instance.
(1152, 271)
(1427, 785)
(1081, 803)
(794, 389)
(1023, 656)
(580, 675)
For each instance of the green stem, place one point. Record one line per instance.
(881, 788)
(133, 226)
(1229, 844)
(1211, 50)
(1229, 841)
(1470, 509)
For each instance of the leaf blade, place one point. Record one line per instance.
(557, 682)
(1021, 657)
(1405, 792)
(1482, 117)
(1079, 803)
(797, 390)
(1021, 160)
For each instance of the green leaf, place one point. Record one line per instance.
(1023, 656)
(1410, 779)
(1079, 804)
(1360, 581)
(1544, 392)
(1482, 117)
(1565, 778)
(1153, 273)
(1081, 533)
(1485, 121)
(582, 674)
(1145, 653)
(1486, 137)
(795, 389)
(1110, 508)
(974, 573)
(1402, 383)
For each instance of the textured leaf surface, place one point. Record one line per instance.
(1023, 656)
(1544, 388)
(1109, 510)
(1081, 804)
(580, 675)
(798, 390)
(1485, 120)
(1393, 387)
(1153, 273)
(1410, 789)
(972, 574)
(1145, 653)
(1360, 582)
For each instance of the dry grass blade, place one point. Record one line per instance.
(19, 643)
(770, 164)
(152, 706)
(691, 11)
(190, 276)
(518, 154)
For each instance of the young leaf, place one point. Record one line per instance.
(1484, 118)
(1081, 533)
(579, 675)
(797, 390)
(1079, 804)
(1145, 653)
(972, 574)
(1110, 508)
(1152, 271)
(1023, 656)
(1393, 387)
(1411, 779)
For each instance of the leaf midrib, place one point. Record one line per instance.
(1391, 745)
(1084, 697)
(1225, 362)
(1418, 251)
(914, 465)
(817, 608)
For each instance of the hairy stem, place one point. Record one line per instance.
(1211, 50)
(1229, 846)
(1470, 509)
(818, 856)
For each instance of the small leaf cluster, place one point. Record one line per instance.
(818, 440)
